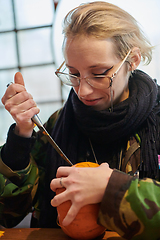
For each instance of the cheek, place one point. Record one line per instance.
(105, 92)
(120, 89)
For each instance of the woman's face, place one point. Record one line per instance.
(88, 56)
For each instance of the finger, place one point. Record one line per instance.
(20, 98)
(104, 165)
(56, 183)
(63, 171)
(21, 107)
(24, 99)
(72, 213)
(25, 116)
(11, 91)
(18, 78)
(59, 199)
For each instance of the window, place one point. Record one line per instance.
(26, 46)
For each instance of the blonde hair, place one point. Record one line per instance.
(104, 20)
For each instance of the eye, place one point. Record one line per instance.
(75, 74)
(104, 73)
(72, 71)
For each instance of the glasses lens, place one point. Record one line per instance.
(100, 82)
(68, 79)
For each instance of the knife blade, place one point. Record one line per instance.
(39, 124)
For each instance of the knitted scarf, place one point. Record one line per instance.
(137, 114)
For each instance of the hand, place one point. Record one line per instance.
(20, 104)
(83, 186)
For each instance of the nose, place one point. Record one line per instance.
(84, 88)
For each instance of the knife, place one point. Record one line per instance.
(39, 124)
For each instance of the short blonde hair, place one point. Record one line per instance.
(104, 20)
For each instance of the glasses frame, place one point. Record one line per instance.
(87, 79)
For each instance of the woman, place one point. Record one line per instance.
(110, 117)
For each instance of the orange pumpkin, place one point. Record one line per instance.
(84, 226)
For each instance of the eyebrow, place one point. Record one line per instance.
(98, 65)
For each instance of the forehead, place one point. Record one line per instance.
(88, 49)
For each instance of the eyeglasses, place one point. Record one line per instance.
(98, 81)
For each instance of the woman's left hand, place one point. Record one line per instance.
(83, 186)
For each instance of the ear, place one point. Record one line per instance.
(135, 58)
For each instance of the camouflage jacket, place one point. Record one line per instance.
(130, 206)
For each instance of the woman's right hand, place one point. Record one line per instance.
(20, 104)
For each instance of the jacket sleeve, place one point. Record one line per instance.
(131, 207)
(17, 190)
(18, 179)
(22, 173)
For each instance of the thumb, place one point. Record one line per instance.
(18, 78)
(71, 214)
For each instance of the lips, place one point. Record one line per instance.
(90, 102)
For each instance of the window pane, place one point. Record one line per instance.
(8, 55)
(46, 110)
(34, 46)
(65, 91)
(6, 15)
(31, 13)
(42, 83)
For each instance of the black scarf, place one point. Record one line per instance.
(136, 114)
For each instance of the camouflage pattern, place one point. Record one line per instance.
(20, 191)
(17, 190)
(130, 206)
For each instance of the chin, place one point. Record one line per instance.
(101, 108)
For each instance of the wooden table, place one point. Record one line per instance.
(44, 234)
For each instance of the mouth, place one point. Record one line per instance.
(90, 102)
